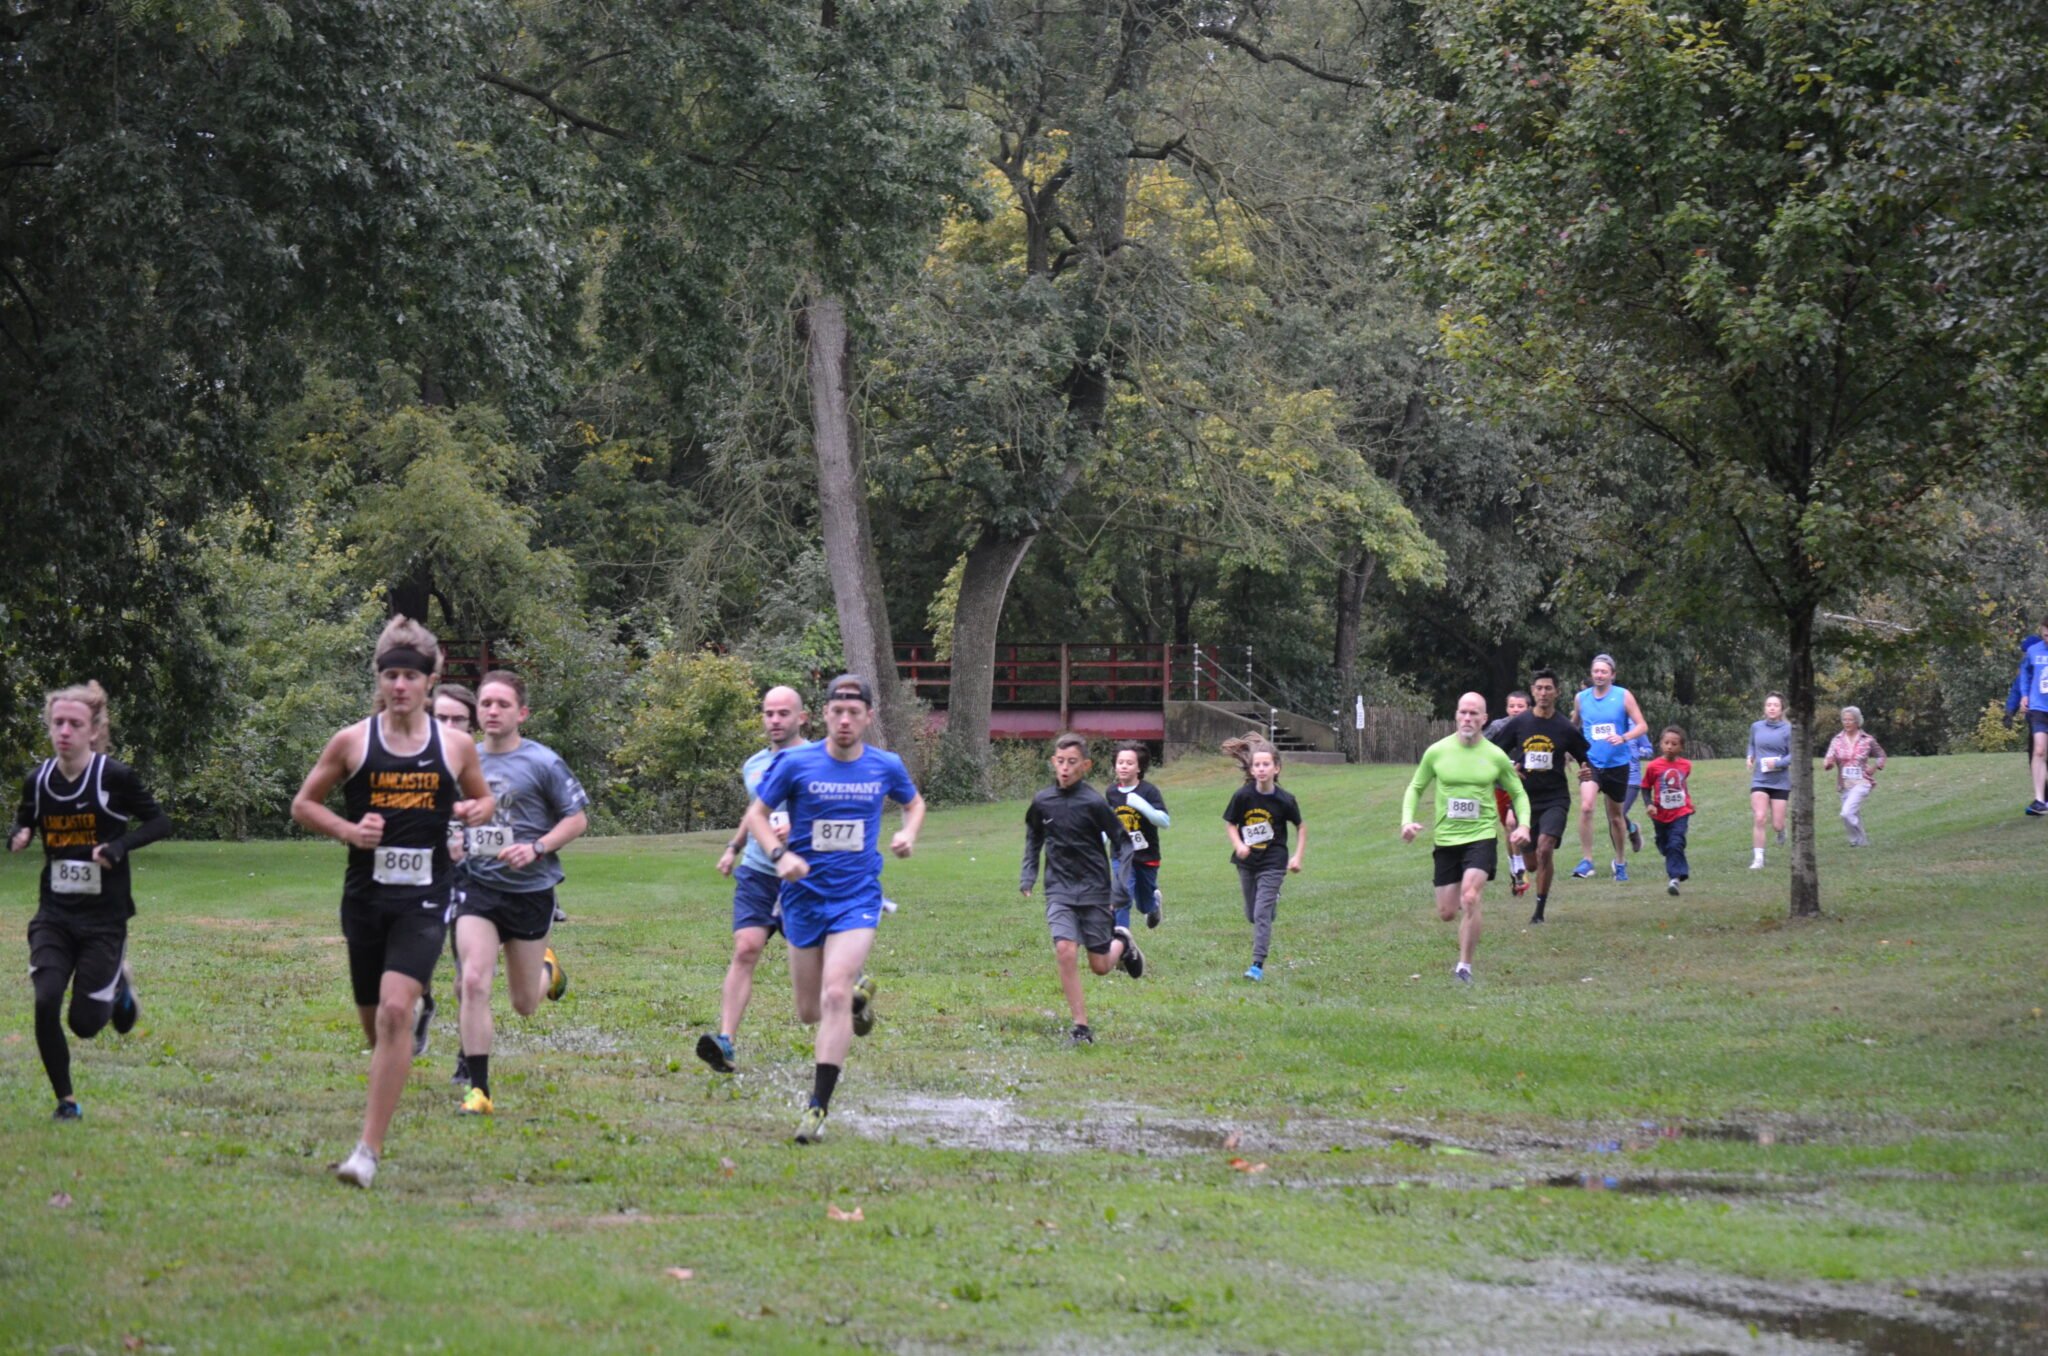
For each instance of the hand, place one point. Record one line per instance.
(1520, 837)
(471, 812)
(2007, 720)
(1241, 852)
(1409, 831)
(1616, 739)
(367, 832)
(902, 843)
(1585, 772)
(1024, 890)
(99, 854)
(781, 831)
(726, 860)
(19, 840)
(792, 867)
(518, 856)
(1294, 864)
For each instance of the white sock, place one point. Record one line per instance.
(1757, 855)
(1515, 863)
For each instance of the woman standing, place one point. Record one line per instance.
(1770, 776)
(1856, 758)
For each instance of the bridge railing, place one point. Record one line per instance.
(1070, 674)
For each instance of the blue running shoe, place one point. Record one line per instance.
(1621, 873)
(67, 1111)
(1584, 870)
(1255, 973)
(715, 1050)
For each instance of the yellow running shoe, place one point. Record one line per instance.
(811, 1128)
(863, 1006)
(558, 978)
(477, 1103)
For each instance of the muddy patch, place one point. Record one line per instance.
(513, 1039)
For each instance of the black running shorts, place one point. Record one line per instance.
(519, 915)
(1547, 818)
(1453, 862)
(402, 938)
(90, 954)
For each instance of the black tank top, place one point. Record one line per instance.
(416, 794)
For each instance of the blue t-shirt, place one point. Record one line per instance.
(835, 821)
(2033, 678)
(1600, 717)
(2028, 647)
(535, 791)
(753, 859)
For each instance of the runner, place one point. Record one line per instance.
(1142, 811)
(1538, 742)
(1640, 751)
(1770, 775)
(92, 812)
(1256, 823)
(1668, 796)
(756, 910)
(394, 895)
(512, 868)
(1518, 870)
(831, 874)
(1464, 767)
(1609, 718)
(1073, 826)
(2032, 685)
(1856, 758)
(454, 709)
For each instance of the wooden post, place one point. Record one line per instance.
(1066, 670)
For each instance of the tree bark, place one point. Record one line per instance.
(857, 592)
(1354, 576)
(1800, 691)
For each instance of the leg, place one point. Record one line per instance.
(843, 957)
(1617, 828)
(1587, 791)
(1067, 953)
(1676, 833)
(1759, 819)
(1145, 892)
(391, 1058)
(478, 942)
(806, 980)
(1265, 910)
(525, 977)
(95, 981)
(1852, 813)
(747, 945)
(1447, 903)
(1780, 810)
(1546, 863)
(52, 957)
(2040, 765)
(1468, 893)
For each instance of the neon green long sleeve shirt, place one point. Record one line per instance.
(1465, 777)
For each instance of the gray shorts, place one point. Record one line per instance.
(1086, 923)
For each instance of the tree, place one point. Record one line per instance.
(1737, 234)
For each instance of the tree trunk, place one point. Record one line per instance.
(984, 583)
(1800, 691)
(1354, 577)
(1183, 602)
(857, 592)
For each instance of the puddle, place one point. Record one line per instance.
(2005, 1320)
(514, 1038)
(1692, 1184)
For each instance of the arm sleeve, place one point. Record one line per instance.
(25, 813)
(773, 787)
(1151, 812)
(901, 789)
(1877, 749)
(1233, 813)
(2019, 682)
(1749, 751)
(1413, 795)
(1033, 841)
(146, 819)
(568, 793)
(1293, 811)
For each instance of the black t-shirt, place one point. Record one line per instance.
(1262, 815)
(1069, 827)
(1136, 826)
(1538, 745)
(108, 806)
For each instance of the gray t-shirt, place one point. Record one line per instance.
(535, 792)
(1770, 743)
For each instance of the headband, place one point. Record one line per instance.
(404, 657)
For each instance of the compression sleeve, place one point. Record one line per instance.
(1033, 842)
(146, 819)
(1149, 810)
(25, 813)
(1424, 773)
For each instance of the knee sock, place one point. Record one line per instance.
(51, 1045)
(822, 1084)
(480, 1073)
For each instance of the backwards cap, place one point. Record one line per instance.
(850, 687)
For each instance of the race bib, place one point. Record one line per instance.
(1602, 732)
(1769, 764)
(778, 820)
(2044, 682)
(1461, 807)
(402, 866)
(1255, 835)
(1851, 772)
(489, 840)
(1536, 761)
(74, 878)
(1138, 841)
(1671, 798)
(839, 835)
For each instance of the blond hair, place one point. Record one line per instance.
(1242, 747)
(403, 633)
(93, 698)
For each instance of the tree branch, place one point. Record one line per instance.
(551, 104)
(1229, 38)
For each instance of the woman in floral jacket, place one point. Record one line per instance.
(1857, 758)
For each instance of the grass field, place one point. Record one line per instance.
(1654, 1125)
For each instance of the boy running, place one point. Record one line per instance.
(831, 874)
(508, 896)
(1667, 791)
(756, 892)
(1072, 825)
(1465, 768)
(1538, 741)
(1142, 811)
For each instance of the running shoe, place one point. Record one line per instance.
(558, 978)
(1537, 916)
(461, 1075)
(1158, 911)
(1584, 870)
(422, 1020)
(1463, 973)
(1621, 873)
(1781, 838)
(1756, 862)
(1520, 882)
(359, 1169)
(1635, 836)
(1255, 972)
(127, 1008)
(863, 1005)
(1133, 960)
(2037, 808)
(1672, 887)
(560, 917)
(810, 1127)
(1082, 1034)
(68, 1111)
(717, 1052)
(477, 1103)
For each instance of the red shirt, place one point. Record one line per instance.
(1664, 786)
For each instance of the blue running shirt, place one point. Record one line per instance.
(755, 768)
(835, 821)
(1600, 717)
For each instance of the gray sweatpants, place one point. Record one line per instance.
(1261, 903)
(1852, 812)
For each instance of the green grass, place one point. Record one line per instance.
(1892, 1052)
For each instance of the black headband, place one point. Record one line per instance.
(404, 657)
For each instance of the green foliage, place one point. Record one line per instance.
(694, 722)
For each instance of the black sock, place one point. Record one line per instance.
(480, 1073)
(822, 1084)
(1541, 900)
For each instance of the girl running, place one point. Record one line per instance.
(1142, 811)
(1256, 823)
(92, 812)
(1770, 776)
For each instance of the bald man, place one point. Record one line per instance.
(756, 890)
(1466, 768)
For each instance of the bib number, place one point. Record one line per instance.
(839, 835)
(1602, 731)
(1536, 761)
(1769, 764)
(402, 866)
(778, 820)
(1851, 773)
(2044, 682)
(1138, 841)
(1256, 835)
(489, 840)
(74, 878)
(1671, 798)
(1461, 807)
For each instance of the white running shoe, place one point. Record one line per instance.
(1463, 973)
(359, 1168)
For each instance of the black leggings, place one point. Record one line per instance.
(87, 1019)
(88, 962)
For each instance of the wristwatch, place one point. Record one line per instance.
(777, 854)
(541, 849)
